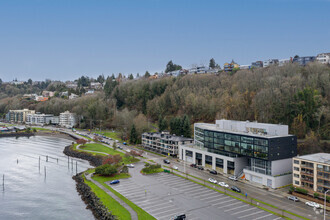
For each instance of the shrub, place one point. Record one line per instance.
(124, 169)
(316, 195)
(112, 159)
(302, 191)
(106, 170)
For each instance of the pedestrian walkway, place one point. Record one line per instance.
(134, 215)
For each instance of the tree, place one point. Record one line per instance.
(133, 135)
(83, 81)
(29, 81)
(0, 82)
(131, 76)
(162, 124)
(147, 74)
(186, 129)
(114, 145)
(138, 75)
(81, 141)
(112, 159)
(212, 64)
(172, 67)
(100, 79)
(106, 170)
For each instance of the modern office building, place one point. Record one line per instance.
(303, 61)
(68, 119)
(164, 142)
(323, 58)
(312, 172)
(257, 152)
(42, 119)
(18, 115)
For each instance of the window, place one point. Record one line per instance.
(296, 182)
(296, 168)
(296, 161)
(296, 175)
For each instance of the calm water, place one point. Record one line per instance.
(27, 193)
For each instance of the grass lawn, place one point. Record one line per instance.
(102, 148)
(159, 170)
(40, 129)
(152, 161)
(143, 215)
(113, 206)
(80, 150)
(110, 134)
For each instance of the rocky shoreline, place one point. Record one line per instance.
(93, 160)
(91, 200)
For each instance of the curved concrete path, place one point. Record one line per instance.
(121, 202)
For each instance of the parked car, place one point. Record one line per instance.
(200, 168)
(166, 161)
(120, 147)
(313, 204)
(223, 184)
(293, 198)
(193, 165)
(179, 217)
(234, 178)
(124, 143)
(175, 168)
(236, 189)
(213, 172)
(211, 180)
(130, 165)
(114, 182)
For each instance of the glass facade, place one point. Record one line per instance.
(261, 166)
(233, 145)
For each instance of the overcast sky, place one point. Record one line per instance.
(63, 39)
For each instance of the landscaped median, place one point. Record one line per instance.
(249, 200)
(152, 168)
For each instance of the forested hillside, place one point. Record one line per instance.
(292, 95)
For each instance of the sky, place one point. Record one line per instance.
(65, 39)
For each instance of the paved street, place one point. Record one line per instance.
(165, 195)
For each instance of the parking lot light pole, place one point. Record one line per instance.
(325, 202)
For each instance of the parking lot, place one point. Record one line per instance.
(165, 195)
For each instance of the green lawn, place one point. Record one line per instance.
(102, 148)
(110, 134)
(113, 206)
(143, 215)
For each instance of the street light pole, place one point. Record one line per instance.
(325, 202)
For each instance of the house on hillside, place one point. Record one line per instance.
(323, 58)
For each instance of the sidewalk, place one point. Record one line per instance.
(121, 202)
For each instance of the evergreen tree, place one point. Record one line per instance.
(186, 129)
(109, 86)
(172, 67)
(147, 74)
(100, 79)
(175, 126)
(212, 64)
(133, 135)
(162, 124)
(131, 76)
(138, 75)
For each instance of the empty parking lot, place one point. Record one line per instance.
(165, 195)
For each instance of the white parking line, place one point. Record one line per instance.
(195, 195)
(244, 210)
(163, 207)
(187, 187)
(128, 188)
(208, 197)
(219, 203)
(217, 199)
(262, 216)
(254, 213)
(230, 204)
(172, 211)
(180, 182)
(173, 182)
(166, 216)
(193, 190)
(155, 205)
(228, 210)
(129, 191)
(149, 200)
(132, 193)
(277, 218)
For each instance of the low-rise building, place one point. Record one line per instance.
(48, 93)
(228, 67)
(73, 96)
(258, 152)
(164, 142)
(68, 119)
(257, 64)
(270, 62)
(18, 115)
(312, 172)
(303, 61)
(323, 58)
(283, 62)
(245, 67)
(42, 119)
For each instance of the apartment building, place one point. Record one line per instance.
(323, 58)
(41, 119)
(270, 62)
(18, 115)
(283, 62)
(164, 142)
(68, 119)
(258, 152)
(257, 64)
(312, 172)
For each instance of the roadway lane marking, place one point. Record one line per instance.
(277, 218)
(262, 217)
(215, 196)
(219, 203)
(228, 210)
(254, 213)
(230, 204)
(244, 210)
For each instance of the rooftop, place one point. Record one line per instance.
(168, 136)
(319, 157)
